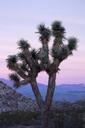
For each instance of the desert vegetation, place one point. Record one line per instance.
(29, 62)
(70, 115)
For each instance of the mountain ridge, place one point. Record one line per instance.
(83, 84)
(63, 92)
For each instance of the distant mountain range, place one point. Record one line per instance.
(64, 92)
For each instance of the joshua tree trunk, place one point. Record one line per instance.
(37, 94)
(38, 97)
(49, 98)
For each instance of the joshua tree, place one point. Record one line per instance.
(28, 63)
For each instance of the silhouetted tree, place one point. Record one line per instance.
(28, 63)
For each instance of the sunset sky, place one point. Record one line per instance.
(19, 19)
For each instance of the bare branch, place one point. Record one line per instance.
(24, 82)
(21, 73)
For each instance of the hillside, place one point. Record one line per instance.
(64, 113)
(10, 100)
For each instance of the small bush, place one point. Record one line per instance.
(20, 117)
(58, 119)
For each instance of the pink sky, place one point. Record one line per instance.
(19, 19)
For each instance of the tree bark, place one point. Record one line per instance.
(37, 94)
(49, 98)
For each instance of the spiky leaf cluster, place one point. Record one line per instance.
(72, 43)
(15, 78)
(11, 61)
(21, 56)
(44, 32)
(34, 54)
(23, 45)
(64, 53)
(60, 52)
(57, 29)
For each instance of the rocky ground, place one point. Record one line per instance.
(10, 100)
(17, 111)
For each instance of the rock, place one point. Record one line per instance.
(10, 100)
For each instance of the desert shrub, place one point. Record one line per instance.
(58, 119)
(20, 117)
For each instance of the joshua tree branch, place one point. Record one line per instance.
(24, 82)
(53, 67)
(66, 56)
(29, 59)
(21, 73)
